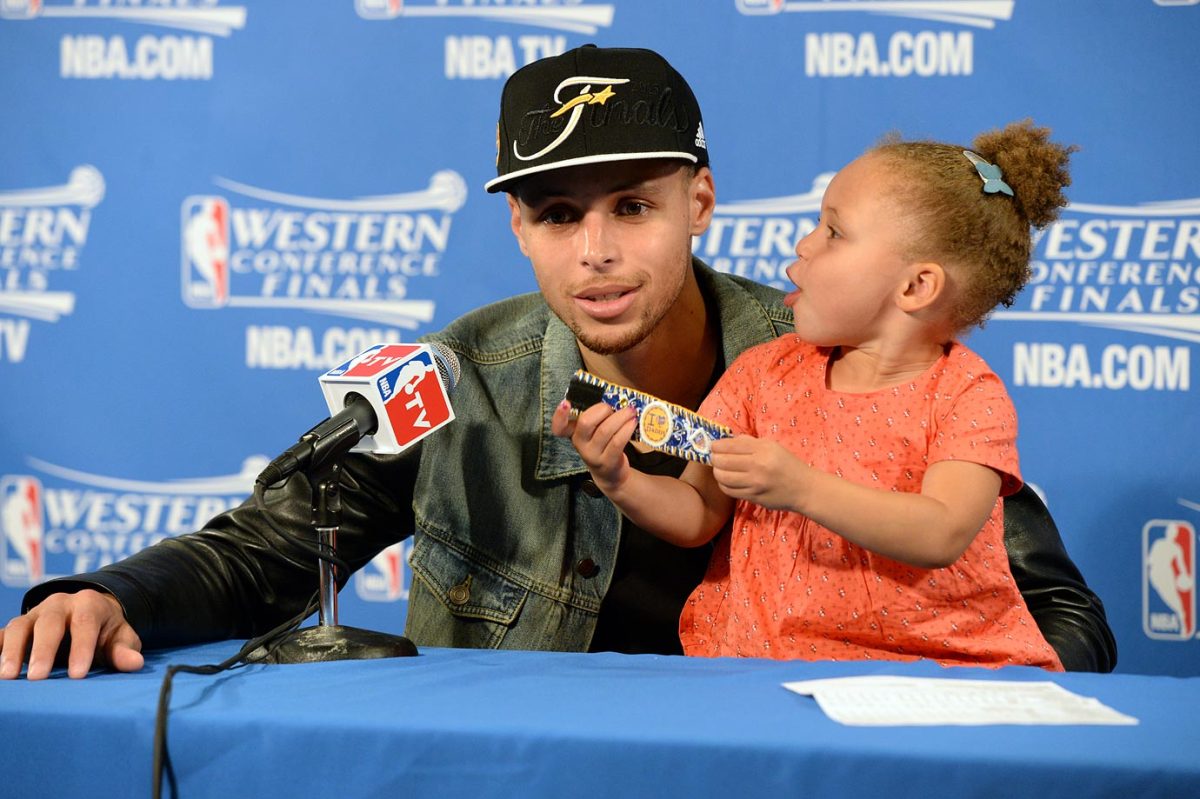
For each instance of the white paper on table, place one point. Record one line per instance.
(879, 700)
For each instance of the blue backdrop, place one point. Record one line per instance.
(203, 205)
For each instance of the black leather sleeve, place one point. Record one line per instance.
(1070, 616)
(239, 576)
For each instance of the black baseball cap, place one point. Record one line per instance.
(591, 105)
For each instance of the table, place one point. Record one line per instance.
(469, 723)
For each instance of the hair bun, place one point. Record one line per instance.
(1034, 166)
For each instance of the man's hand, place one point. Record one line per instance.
(600, 435)
(96, 626)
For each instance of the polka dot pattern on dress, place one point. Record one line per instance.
(782, 586)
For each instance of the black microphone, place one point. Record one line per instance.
(388, 405)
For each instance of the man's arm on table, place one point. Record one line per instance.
(236, 578)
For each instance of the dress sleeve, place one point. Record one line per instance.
(732, 400)
(980, 426)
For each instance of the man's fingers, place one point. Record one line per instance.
(13, 644)
(87, 620)
(48, 630)
(85, 631)
(124, 651)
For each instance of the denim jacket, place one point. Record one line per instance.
(525, 566)
(502, 511)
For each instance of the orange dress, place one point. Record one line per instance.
(781, 586)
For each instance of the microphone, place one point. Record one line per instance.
(661, 424)
(383, 400)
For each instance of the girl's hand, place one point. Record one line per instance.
(759, 471)
(599, 435)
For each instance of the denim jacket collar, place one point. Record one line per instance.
(557, 457)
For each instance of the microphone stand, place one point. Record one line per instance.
(330, 640)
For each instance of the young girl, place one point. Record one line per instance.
(871, 449)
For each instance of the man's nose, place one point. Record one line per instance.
(597, 245)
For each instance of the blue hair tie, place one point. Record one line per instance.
(989, 174)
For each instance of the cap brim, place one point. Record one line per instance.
(502, 183)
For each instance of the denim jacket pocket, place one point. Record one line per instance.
(474, 605)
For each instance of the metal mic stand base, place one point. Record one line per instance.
(329, 640)
(334, 642)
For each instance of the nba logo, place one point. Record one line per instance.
(24, 562)
(385, 579)
(402, 384)
(418, 404)
(379, 9)
(760, 6)
(1169, 580)
(205, 233)
(20, 9)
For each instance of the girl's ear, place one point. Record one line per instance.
(924, 283)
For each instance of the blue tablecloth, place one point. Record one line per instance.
(464, 723)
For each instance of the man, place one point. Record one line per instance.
(603, 157)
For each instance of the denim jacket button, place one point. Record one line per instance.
(459, 594)
(591, 489)
(587, 568)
